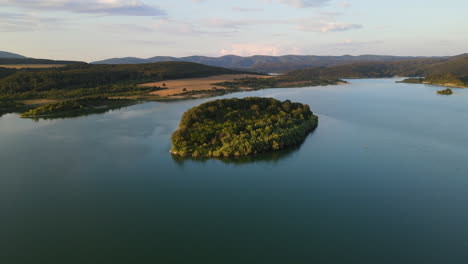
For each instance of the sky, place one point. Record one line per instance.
(90, 30)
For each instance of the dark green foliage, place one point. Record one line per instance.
(239, 127)
(4, 72)
(447, 91)
(255, 83)
(104, 79)
(447, 79)
(456, 65)
(10, 106)
(107, 90)
(414, 68)
(412, 80)
(25, 61)
(283, 81)
(212, 92)
(361, 70)
(77, 107)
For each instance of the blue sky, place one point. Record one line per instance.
(98, 29)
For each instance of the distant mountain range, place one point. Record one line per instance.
(364, 66)
(8, 58)
(265, 63)
(456, 65)
(9, 55)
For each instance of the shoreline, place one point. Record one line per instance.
(447, 85)
(31, 104)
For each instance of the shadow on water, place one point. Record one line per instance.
(268, 157)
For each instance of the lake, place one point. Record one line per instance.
(383, 179)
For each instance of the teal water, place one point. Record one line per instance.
(383, 179)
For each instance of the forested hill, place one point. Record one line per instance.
(8, 58)
(30, 82)
(30, 61)
(457, 65)
(264, 63)
(4, 54)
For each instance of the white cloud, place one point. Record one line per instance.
(105, 7)
(309, 25)
(244, 9)
(324, 26)
(166, 26)
(175, 27)
(20, 22)
(304, 3)
(293, 3)
(345, 4)
(236, 23)
(353, 43)
(350, 46)
(250, 49)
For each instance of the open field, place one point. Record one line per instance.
(33, 66)
(175, 87)
(40, 101)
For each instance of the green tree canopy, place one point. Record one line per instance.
(238, 127)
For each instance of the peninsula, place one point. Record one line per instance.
(447, 79)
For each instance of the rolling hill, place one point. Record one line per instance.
(8, 58)
(4, 54)
(87, 79)
(30, 61)
(457, 65)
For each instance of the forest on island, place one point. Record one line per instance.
(239, 127)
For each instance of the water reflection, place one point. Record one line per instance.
(270, 157)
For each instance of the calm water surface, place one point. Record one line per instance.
(384, 179)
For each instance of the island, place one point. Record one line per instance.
(447, 91)
(241, 127)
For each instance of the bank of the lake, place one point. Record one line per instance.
(77, 107)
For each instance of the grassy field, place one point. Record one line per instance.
(175, 87)
(40, 101)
